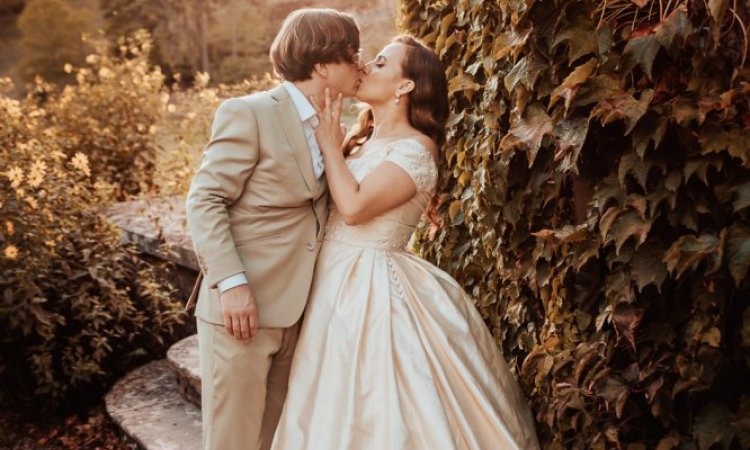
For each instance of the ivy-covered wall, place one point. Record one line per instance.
(596, 207)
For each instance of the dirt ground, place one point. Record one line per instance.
(89, 432)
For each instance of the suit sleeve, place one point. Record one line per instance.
(228, 161)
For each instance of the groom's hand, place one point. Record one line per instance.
(240, 312)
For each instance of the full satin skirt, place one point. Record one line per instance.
(393, 355)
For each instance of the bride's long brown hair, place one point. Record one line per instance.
(427, 103)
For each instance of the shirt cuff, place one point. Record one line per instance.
(231, 282)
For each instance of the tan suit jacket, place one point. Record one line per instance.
(255, 206)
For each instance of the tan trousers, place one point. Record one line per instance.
(243, 385)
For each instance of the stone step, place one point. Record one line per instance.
(149, 407)
(183, 357)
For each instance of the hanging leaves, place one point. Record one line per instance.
(597, 208)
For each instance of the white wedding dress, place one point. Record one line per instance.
(392, 353)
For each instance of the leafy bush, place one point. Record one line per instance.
(597, 209)
(76, 308)
(111, 111)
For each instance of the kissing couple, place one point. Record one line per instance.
(291, 218)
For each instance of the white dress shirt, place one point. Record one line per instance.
(309, 123)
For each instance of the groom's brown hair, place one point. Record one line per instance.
(312, 36)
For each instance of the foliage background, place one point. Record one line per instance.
(228, 39)
(597, 208)
(77, 308)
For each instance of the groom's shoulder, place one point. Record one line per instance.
(253, 101)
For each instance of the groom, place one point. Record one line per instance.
(256, 211)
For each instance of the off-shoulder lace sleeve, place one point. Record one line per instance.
(416, 160)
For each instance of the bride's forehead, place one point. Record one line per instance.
(392, 51)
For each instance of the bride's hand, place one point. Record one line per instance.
(330, 132)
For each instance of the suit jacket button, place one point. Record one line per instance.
(310, 246)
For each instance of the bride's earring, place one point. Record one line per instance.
(398, 98)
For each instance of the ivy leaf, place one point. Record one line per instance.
(670, 442)
(738, 251)
(652, 128)
(676, 24)
(570, 135)
(629, 224)
(718, 8)
(712, 426)
(526, 71)
(568, 88)
(712, 337)
(631, 163)
(462, 82)
(584, 251)
(623, 107)
(700, 167)
(685, 110)
(648, 266)
(714, 139)
(626, 319)
(510, 42)
(688, 251)
(599, 87)
(640, 51)
(742, 197)
(529, 131)
(578, 36)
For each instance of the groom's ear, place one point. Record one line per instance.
(321, 69)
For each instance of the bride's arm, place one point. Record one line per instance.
(385, 188)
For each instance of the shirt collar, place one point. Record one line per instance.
(302, 104)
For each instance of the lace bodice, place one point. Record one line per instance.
(392, 229)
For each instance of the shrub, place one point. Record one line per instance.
(597, 209)
(111, 112)
(76, 308)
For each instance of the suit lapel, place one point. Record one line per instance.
(295, 135)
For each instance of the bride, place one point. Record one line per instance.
(392, 353)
